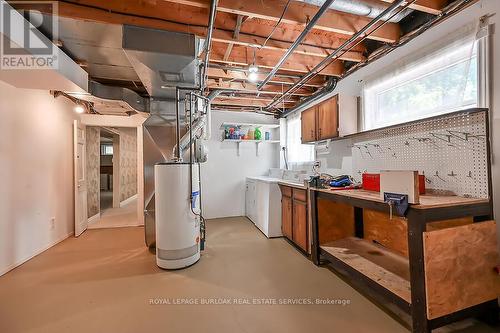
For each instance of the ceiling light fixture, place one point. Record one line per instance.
(253, 69)
(79, 108)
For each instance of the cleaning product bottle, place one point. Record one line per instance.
(258, 134)
(251, 134)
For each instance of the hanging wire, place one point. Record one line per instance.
(276, 25)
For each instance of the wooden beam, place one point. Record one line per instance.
(257, 41)
(245, 102)
(299, 13)
(236, 34)
(428, 6)
(298, 63)
(174, 17)
(215, 73)
(252, 88)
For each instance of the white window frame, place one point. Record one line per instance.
(298, 155)
(405, 66)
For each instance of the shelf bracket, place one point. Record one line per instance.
(238, 148)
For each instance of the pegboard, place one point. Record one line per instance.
(450, 150)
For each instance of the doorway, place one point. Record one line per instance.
(114, 166)
(106, 170)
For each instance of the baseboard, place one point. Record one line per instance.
(127, 201)
(94, 218)
(22, 261)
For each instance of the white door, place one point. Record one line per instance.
(80, 185)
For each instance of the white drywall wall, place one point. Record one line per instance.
(224, 174)
(36, 169)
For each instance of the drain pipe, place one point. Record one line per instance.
(208, 47)
(326, 5)
(334, 54)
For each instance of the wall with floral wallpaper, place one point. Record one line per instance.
(93, 169)
(128, 163)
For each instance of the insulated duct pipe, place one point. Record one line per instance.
(297, 42)
(208, 42)
(329, 88)
(365, 8)
(317, 69)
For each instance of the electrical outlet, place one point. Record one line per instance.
(52, 223)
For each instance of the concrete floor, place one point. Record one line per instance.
(106, 280)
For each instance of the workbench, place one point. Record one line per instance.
(430, 268)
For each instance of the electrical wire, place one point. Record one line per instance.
(276, 25)
(318, 71)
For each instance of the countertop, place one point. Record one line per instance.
(292, 184)
(426, 201)
(280, 181)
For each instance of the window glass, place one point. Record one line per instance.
(438, 84)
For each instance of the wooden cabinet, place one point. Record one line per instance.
(308, 121)
(328, 119)
(332, 118)
(294, 221)
(299, 225)
(286, 217)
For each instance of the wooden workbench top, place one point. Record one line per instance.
(426, 201)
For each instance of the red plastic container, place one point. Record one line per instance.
(371, 182)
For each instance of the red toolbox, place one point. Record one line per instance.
(371, 182)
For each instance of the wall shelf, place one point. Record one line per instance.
(256, 142)
(236, 124)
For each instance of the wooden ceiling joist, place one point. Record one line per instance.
(299, 13)
(258, 42)
(245, 102)
(164, 15)
(428, 6)
(251, 88)
(298, 63)
(236, 75)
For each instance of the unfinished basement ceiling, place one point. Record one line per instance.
(245, 33)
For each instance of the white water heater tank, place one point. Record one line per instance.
(177, 228)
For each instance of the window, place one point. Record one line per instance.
(441, 80)
(297, 153)
(106, 150)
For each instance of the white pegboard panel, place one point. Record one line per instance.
(451, 151)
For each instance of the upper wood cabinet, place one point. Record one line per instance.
(308, 120)
(328, 119)
(334, 117)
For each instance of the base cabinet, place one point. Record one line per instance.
(294, 221)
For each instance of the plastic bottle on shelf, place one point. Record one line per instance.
(251, 134)
(258, 134)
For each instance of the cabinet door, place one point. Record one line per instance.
(328, 119)
(286, 217)
(299, 226)
(308, 121)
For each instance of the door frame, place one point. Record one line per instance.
(80, 208)
(123, 121)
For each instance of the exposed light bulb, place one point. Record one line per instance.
(252, 76)
(79, 109)
(253, 68)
